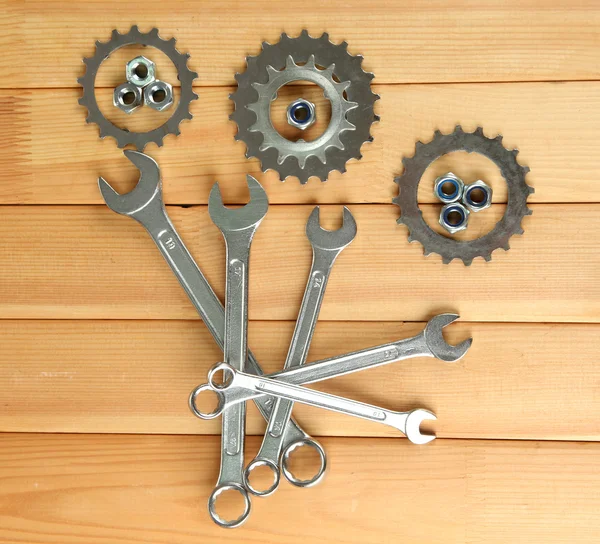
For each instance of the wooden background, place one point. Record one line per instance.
(100, 346)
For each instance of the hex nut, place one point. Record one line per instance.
(454, 217)
(448, 188)
(140, 71)
(301, 114)
(477, 196)
(128, 97)
(159, 95)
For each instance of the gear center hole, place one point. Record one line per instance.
(300, 90)
(112, 73)
(469, 167)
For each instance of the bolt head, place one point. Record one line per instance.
(158, 95)
(301, 114)
(448, 188)
(127, 97)
(140, 71)
(454, 217)
(479, 189)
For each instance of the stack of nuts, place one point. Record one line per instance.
(460, 200)
(142, 87)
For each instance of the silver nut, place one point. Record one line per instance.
(140, 71)
(127, 97)
(454, 217)
(301, 114)
(477, 196)
(159, 95)
(448, 188)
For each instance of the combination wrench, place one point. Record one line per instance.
(326, 246)
(428, 343)
(406, 422)
(145, 204)
(238, 227)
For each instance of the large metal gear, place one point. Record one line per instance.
(184, 74)
(345, 84)
(472, 142)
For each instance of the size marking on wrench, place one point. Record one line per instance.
(429, 343)
(406, 422)
(326, 246)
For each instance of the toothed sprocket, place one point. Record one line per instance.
(345, 84)
(184, 74)
(472, 142)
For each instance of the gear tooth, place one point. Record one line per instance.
(458, 129)
(81, 101)
(134, 30)
(284, 36)
(289, 62)
(506, 246)
(264, 45)
(467, 262)
(396, 199)
(530, 189)
(528, 211)
(172, 41)
(410, 239)
(311, 63)
(86, 61)
(437, 133)
(271, 71)
(526, 169)
(153, 32)
(325, 36)
(115, 34)
(487, 257)
(80, 81)
(515, 152)
(519, 230)
(344, 45)
(479, 131)
(445, 260)
(304, 33)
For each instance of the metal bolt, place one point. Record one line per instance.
(301, 114)
(448, 188)
(454, 217)
(140, 71)
(159, 95)
(127, 97)
(477, 196)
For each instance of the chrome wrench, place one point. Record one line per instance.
(326, 246)
(145, 204)
(406, 422)
(428, 343)
(238, 227)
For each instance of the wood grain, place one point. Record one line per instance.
(135, 377)
(53, 157)
(419, 41)
(87, 262)
(131, 489)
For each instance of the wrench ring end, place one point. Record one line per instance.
(213, 499)
(255, 463)
(228, 374)
(194, 407)
(288, 473)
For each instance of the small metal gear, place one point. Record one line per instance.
(184, 74)
(472, 142)
(345, 84)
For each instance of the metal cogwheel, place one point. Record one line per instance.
(345, 84)
(472, 142)
(184, 74)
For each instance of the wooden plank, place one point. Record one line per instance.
(135, 377)
(87, 262)
(420, 41)
(96, 489)
(552, 125)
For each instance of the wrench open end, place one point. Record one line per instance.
(436, 343)
(413, 424)
(228, 219)
(147, 189)
(332, 240)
